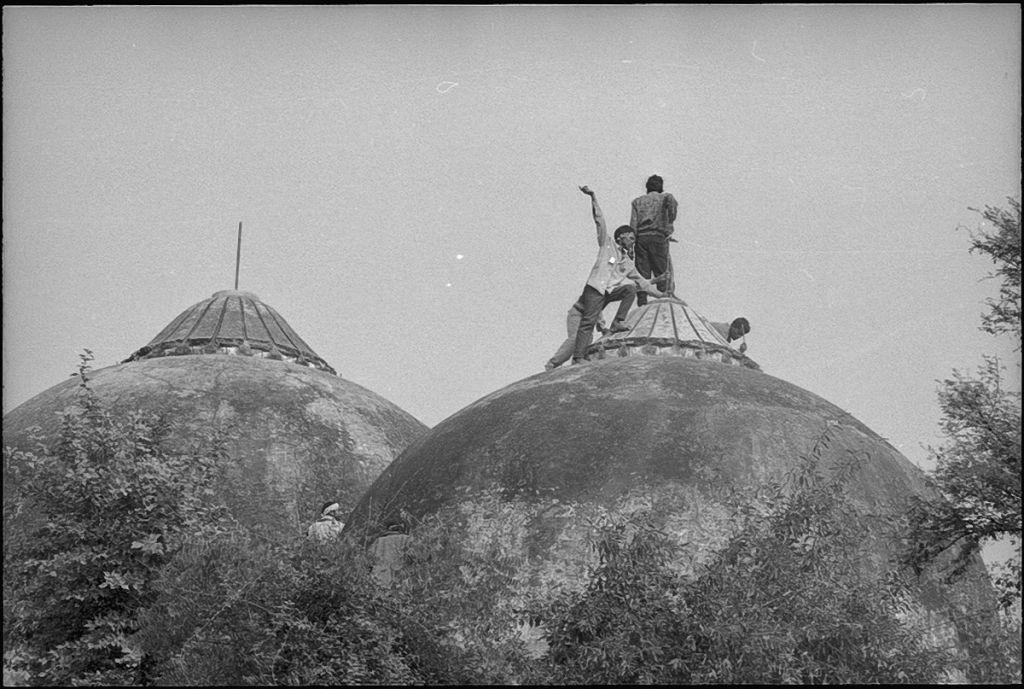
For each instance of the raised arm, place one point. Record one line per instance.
(602, 227)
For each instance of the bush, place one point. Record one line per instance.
(93, 519)
(233, 610)
(788, 600)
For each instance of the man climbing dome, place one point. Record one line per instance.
(611, 279)
(734, 331)
(572, 326)
(651, 216)
(328, 526)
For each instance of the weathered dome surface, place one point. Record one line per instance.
(669, 327)
(539, 461)
(232, 322)
(599, 429)
(298, 435)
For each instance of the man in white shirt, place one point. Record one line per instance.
(614, 277)
(328, 526)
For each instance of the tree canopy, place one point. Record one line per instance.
(1002, 245)
(979, 467)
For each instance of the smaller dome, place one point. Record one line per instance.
(232, 322)
(669, 327)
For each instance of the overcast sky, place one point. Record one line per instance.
(407, 182)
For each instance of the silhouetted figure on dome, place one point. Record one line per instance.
(652, 215)
(611, 279)
(734, 331)
(328, 526)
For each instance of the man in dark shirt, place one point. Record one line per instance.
(652, 216)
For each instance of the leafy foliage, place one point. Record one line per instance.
(789, 600)
(1003, 246)
(233, 610)
(475, 639)
(102, 511)
(979, 468)
(236, 611)
(978, 471)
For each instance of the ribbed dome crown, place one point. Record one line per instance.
(670, 327)
(232, 322)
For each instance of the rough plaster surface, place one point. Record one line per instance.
(297, 436)
(541, 463)
(598, 431)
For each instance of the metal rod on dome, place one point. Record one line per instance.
(238, 254)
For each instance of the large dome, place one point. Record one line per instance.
(298, 434)
(623, 425)
(681, 430)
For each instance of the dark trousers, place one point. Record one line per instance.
(593, 304)
(651, 259)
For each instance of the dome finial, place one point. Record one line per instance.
(238, 253)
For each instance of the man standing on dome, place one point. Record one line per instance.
(652, 216)
(328, 526)
(611, 279)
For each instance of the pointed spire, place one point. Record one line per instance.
(232, 322)
(238, 253)
(669, 327)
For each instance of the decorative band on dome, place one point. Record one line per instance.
(686, 350)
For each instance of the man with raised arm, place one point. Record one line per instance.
(611, 279)
(652, 215)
